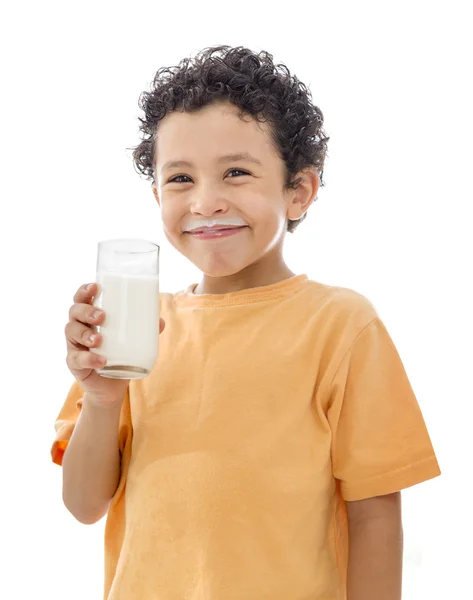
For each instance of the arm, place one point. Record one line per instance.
(91, 462)
(375, 548)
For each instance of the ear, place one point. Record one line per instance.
(155, 192)
(303, 194)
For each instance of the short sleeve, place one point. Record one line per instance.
(380, 443)
(69, 415)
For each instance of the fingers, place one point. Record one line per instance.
(87, 314)
(80, 330)
(79, 334)
(86, 293)
(79, 360)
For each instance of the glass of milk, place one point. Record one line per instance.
(128, 278)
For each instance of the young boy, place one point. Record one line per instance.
(264, 455)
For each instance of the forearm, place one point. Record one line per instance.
(375, 560)
(91, 463)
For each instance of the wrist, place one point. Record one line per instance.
(108, 404)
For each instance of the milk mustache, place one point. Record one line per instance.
(130, 332)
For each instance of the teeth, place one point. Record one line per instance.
(214, 225)
(214, 229)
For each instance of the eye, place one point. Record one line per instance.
(238, 171)
(178, 179)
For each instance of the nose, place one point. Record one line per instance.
(208, 200)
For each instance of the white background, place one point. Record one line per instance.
(393, 222)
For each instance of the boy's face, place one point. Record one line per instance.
(211, 188)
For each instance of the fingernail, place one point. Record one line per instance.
(90, 286)
(97, 314)
(92, 337)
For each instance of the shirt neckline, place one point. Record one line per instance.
(249, 296)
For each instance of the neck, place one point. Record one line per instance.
(250, 277)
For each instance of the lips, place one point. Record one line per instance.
(213, 233)
(211, 229)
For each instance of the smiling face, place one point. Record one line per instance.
(215, 168)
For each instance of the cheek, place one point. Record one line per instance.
(169, 215)
(268, 212)
(260, 205)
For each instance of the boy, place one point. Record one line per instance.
(264, 455)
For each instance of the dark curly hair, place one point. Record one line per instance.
(253, 83)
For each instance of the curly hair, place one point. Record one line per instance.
(254, 84)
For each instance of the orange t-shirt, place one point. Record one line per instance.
(266, 411)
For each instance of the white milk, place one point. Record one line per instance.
(130, 331)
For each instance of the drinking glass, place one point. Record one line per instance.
(128, 278)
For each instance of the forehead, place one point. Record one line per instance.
(214, 129)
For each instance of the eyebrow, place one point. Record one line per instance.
(222, 159)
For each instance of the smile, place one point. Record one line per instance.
(213, 234)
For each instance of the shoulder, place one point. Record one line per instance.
(169, 298)
(334, 318)
(165, 297)
(339, 304)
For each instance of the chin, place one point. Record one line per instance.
(219, 268)
(219, 273)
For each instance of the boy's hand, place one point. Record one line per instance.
(80, 336)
